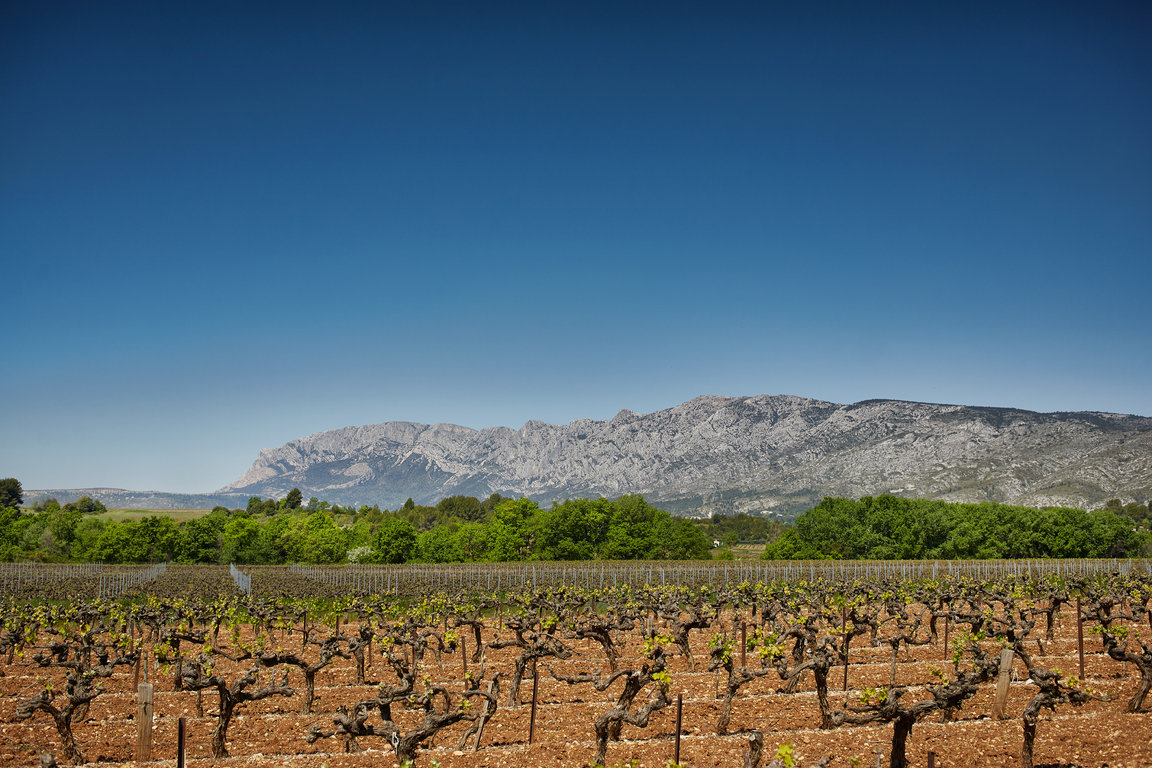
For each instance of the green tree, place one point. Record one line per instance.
(200, 538)
(631, 530)
(372, 514)
(239, 535)
(462, 508)
(421, 517)
(271, 538)
(573, 530)
(122, 542)
(87, 534)
(302, 532)
(361, 532)
(294, 499)
(327, 545)
(472, 542)
(488, 506)
(888, 527)
(61, 523)
(438, 546)
(395, 541)
(11, 493)
(508, 534)
(258, 506)
(163, 536)
(86, 505)
(680, 539)
(9, 533)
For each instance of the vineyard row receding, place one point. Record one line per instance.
(581, 663)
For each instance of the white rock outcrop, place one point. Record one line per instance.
(725, 454)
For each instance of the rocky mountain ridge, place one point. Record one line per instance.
(773, 453)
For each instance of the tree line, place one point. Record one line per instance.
(895, 528)
(274, 531)
(468, 529)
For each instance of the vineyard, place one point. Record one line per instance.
(987, 663)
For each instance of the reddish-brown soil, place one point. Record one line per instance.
(271, 732)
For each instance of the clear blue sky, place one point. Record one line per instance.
(224, 226)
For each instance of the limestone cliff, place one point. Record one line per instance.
(723, 454)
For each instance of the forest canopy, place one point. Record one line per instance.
(270, 531)
(895, 528)
(500, 529)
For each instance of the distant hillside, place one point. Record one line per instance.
(118, 498)
(774, 453)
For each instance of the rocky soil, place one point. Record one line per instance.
(271, 732)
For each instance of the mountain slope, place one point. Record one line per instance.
(723, 454)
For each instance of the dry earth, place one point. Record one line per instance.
(271, 732)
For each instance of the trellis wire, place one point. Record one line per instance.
(118, 581)
(242, 580)
(379, 579)
(14, 574)
(111, 579)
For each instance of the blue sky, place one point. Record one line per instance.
(224, 226)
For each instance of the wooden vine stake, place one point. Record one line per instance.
(947, 626)
(1001, 700)
(181, 739)
(844, 626)
(144, 722)
(480, 726)
(1080, 637)
(679, 722)
(931, 759)
(532, 716)
(744, 644)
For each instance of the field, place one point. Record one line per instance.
(418, 645)
(178, 515)
(747, 550)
